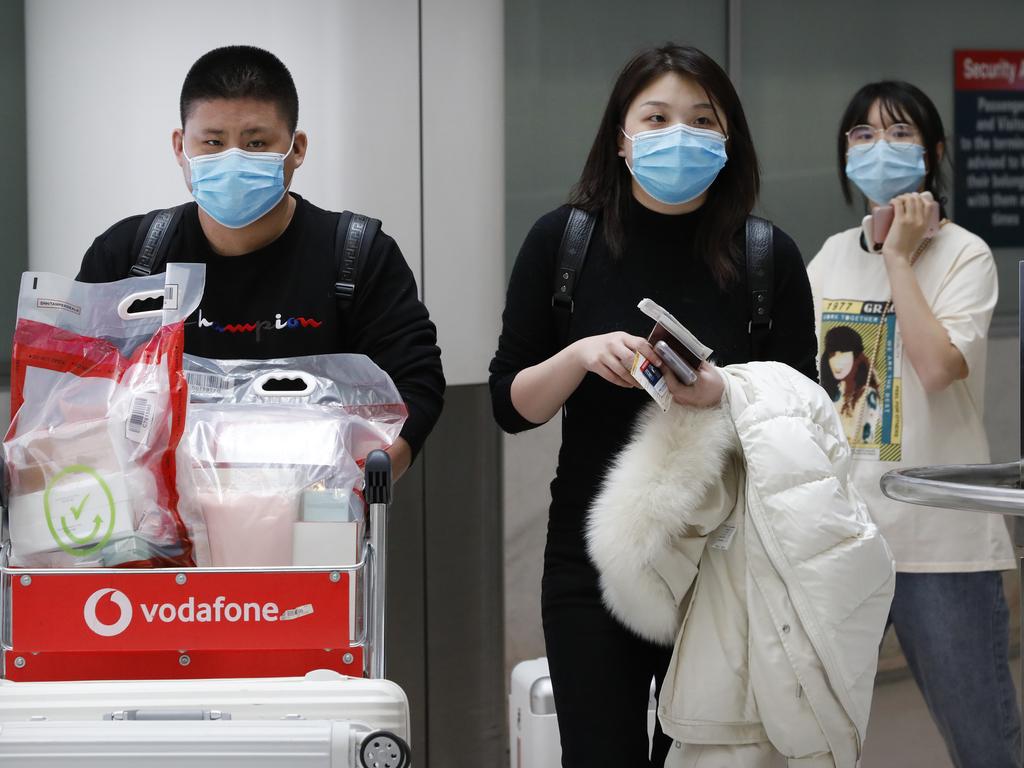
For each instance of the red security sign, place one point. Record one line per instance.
(183, 610)
(988, 144)
(989, 70)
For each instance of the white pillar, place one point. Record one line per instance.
(464, 180)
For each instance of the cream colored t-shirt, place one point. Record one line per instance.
(889, 418)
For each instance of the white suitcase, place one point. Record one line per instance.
(533, 726)
(324, 720)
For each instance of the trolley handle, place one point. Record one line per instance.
(378, 478)
(377, 489)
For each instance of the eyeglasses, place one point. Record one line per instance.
(899, 135)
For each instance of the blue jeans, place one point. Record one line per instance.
(954, 631)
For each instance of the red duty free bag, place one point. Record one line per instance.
(98, 402)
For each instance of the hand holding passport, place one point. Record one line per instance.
(679, 349)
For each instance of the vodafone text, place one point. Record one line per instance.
(219, 610)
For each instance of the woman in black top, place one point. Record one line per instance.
(671, 178)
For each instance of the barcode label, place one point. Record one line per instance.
(297, 613)
(208, 383)
(140, 419)
(722, 538)
(171, 296)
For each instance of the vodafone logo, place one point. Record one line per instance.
(101, 628)
(189, 611)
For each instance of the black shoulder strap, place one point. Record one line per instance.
(572, 252)
(150, 246)
(353, 237)
(760, 279)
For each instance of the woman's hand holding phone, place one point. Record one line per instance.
(915, 217)
(705, 392)
(683, 371)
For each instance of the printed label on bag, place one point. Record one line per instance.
(722, 538)
(171, 292)
(140, 418)
(80, 510)
(208, 383)
(58, 304)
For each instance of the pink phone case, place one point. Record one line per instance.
(882, 218)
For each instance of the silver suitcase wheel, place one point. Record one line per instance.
(383, 749)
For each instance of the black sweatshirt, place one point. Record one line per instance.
(659, 263)
(279, 302)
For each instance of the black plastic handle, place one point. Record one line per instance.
(378, 478)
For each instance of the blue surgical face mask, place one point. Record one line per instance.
(677, 164)
(882, 171)
(236, 187)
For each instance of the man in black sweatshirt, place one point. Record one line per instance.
(270, 256)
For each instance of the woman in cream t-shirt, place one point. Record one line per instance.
(902, 329)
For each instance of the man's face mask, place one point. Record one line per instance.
(236, 187)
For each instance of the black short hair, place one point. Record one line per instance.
(241, 72)
(900, 102)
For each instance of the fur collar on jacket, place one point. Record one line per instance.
(671, 467)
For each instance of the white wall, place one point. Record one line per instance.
(464, 179)
(103, 84)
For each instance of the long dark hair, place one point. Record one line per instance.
(605, 186)
(843, 338)
(899, 102)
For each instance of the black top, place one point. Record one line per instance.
(279, 301)
(659, 263)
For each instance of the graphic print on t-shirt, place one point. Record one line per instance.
(860, 365)
(258, 327)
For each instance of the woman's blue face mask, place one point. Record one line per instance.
(236, 187)
(677, 164)
(883, 170)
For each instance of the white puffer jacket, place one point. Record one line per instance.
(733, 533)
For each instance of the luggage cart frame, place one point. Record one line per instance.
(364, 655)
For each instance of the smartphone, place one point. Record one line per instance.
(882, 218)
(683, 371)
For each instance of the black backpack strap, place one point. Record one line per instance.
(150, 246)
(353, 237)
(760, 281)
(572, 251)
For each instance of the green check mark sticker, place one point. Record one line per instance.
(56, 504)
(77, 511)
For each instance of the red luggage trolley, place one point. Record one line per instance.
(172, 627)
(167, 623)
